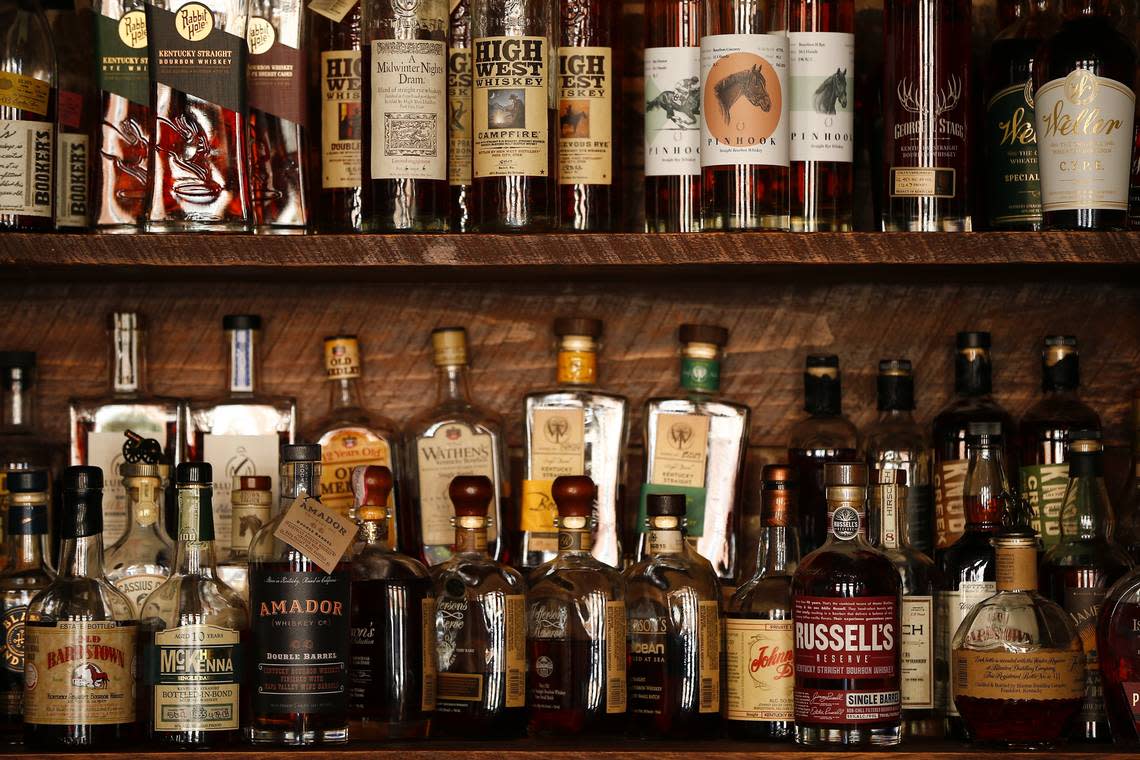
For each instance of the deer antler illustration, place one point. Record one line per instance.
(947, 99)
(907, 98)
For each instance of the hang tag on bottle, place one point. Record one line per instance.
(334, 10)
(317, 531)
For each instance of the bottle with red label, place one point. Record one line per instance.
(846, 600)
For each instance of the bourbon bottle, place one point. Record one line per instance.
(72, 25)
(1118, 653)
(459, 104)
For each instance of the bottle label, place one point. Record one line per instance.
(1044, 485)
(277, 68)
(455, 449)
(550, 681)
(23, 93)
(427, 652)
(760, 669)
(300, 635)
(195, 672)
(318, 532)
(459, 116)
(233, 456)
(889, 517)
(822, 98)
(577, 367)
(80, 673)
(191, 53)
(465, 671)
(585, 116)
(511, 102)
(702, 375)
(680, 451)
(616, 632)
(845, 522)
(27, 154)
(1132, 700)
(138, 587)
(709, 638)
(143, 495)
(664, 542)
(928, 123)
(105, 450)
(72, 203)
(120, 47)
(409, 100)
(659, 660)
(242, 360)
(246, 520)
(672, 111)
(744, 104)
(917, 653)
(342, 356)
(949, 509)
(334, 10)
(14, 633)
(1084, 141)
(557, 447)
(383, 612)
(340, 118)
(855, 639)
(1011, 156)
(342, 451)
(1016, 568)
(1083, 606)
(953, 607)
(1023, 676)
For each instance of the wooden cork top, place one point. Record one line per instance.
(574, 495)
(471, 495)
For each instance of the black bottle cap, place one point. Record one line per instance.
(241, 322)
(194, 474)
(665, 505)
(83, 478)
(714, 334)
(973, 371)
(895, 385)
(982, 433)
(578, 326)
(1060, 364)
(301, 452)
(17, 359)
(822, 388)
(82, 513)
(27, 481)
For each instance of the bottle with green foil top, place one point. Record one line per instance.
(695, 444)
(193, 626)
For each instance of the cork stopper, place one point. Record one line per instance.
(574, 495)
(471, 495)
(449, 346)
(371, 485)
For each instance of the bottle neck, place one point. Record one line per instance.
(81, 557)
(985, 483)
(1087, 512)
(344, 393)
(299, 479)
(666, 536)
(17, 401)
(374, 533)
(577, 367)
(471, 535)
(1016, 564)
(451, 383)
(574, 535)
(778, 551)
(973, 373)
(242, 367)
(823, 394)
(846, 520)
(194, 552)
(890, 506)
(27, 530)
(144, 496)
(700, 370)
(128, 360)
(895, 393)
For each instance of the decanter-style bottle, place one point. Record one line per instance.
(251, 498)
(480, 627)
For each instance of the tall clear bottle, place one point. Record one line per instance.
(72, 28)
(194, 632)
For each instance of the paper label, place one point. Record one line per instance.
(342, 358)
(949, 509)
(409, 100)
(1031, 675)
(760, 669)
(320, 533)
(459, 116)
(664, 542)
(191, 53)
(24, 93)
(672, 111)
(537, 510)
(680, 450)
(1014, 183)
(557, 448)
(14, 637)
(80, 672)
(922, 182)
(821, 67)
(510, 102)
(455, 449)
(1083, 606)
(342, 451)
(120, 45)
(585, 115)
(277, 70)
(708, 637)
(72, 200)
(514, 645)
(232, 456)
(138, 587)
(917, 653)
(744, 100)
(195, 672)
(334, 10)
(427, 651)
(615, 657)
(1044, 485)
(340, 118)
(246, 520)
(953, 607)
(26, 161)
(577, 367)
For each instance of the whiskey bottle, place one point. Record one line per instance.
(973, 402)
(241, 432)
(896, 442)
(404, 145)
(454, 437)
(825, 435)
(673, 598)
(98, 424)
(966, 569)
(1085, 172)
(392, 667)
(695, 445)
(25, 573)
(480, 627)
(927, 116)
(459, 104)
(821, 75)
(198, 168)
(278, 116)
(576, 628)
(194, 631)
(1045, 434)
(71, 27)
(587, 81)
(574, 429)
(513, 109)
(673, 108)
(27, 118)
(1013, 183)
(89, 705)
(299, 615)
(1128, 524)
(1077, 571)
(335, 69)
(744, 118)
(123, 137)
(250, 502)
(758, 634)
(22, 445)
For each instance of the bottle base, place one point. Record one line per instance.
(189, 225)
(819, 736)
(292, 738)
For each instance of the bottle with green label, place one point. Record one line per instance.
(696, 444)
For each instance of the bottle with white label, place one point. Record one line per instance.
(139, 561)
(240, 433)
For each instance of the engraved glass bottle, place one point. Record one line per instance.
(574, 429)
(459, 104)
(139, 562)
(480, 627)
(250, 501)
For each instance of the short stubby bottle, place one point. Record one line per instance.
(576, 627)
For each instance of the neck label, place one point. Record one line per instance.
(845, 522)
(889, 516)
(320, 533)
(125, 377)
(665, 541)
(241, 361)
(700, 374)
(577, 367)
(342, 359)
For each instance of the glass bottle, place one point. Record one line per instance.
(758, 634)
(480, 627)
(139, 562)
(745, 102)
(573, 429)
(1077, 571)
(392, 672)
(459, 104)
(27, 118)
(194, 630)
(847, 694)
(824, 436)
(72, 26)
(22, 446)
(1045, 433)
(896, 442)
(92, 705)
(98, 424)
(1087, 66)
(199, 165)
(696, 445)
(1128, 526)
(241, 432)
(973, 402)
(966, 569)
(674, 600)
(513, 47)
(1018, 664)
(25, 573)
(404, 151)
(251, 499)
(298, 704)
(927, 124)
(576, 628)
(454, 437)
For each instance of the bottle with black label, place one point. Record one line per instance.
(194, 628)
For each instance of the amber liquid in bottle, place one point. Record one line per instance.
(459, 116)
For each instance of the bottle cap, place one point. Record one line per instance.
(895, 385)
(1060, 363)
(17, 359)
(665, 505)
(83, 478)
(140, 470)
(585, 326)
(125, 320)
(845, 474)
(27, 481)
(371, 485)
(301, 452)
(981, 431)
(252, 490)
(471, 495)
(449, 346)
(973, 340)
(194, 474)
(779, 476)
(822, 388)
(241, 322)
(574, 495)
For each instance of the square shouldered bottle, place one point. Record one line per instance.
(696, 445)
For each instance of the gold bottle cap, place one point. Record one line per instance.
(449, 346)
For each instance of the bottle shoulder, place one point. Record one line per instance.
(577, 396)
(194, 599)
(429, 422)
(80, 598)
(823, 432)
(353, 419)
(1065, 410)
(962, 410)
(1096, 552)
(846, 569)
(376, 563)
(1017, 622)
(25, 578)
(574, 576)
(697, 403)
(478, 574)
(669, 573)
